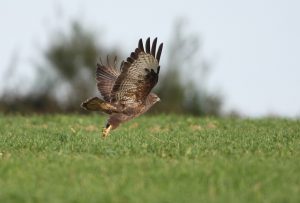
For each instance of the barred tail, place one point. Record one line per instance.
(96, 104)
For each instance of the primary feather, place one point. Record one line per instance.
(106, 76)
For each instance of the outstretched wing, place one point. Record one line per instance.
(139, 74)
(106, 75)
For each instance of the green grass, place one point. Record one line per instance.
(62, 158)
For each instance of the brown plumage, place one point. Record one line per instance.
(126, 92)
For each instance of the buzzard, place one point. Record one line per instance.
(126, 92)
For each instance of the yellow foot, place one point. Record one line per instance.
(105, 131)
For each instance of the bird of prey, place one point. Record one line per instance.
(126, 92)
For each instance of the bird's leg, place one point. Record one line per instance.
(106, 130)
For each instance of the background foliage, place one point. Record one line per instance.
(65, 76)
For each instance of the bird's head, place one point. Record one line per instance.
(153, 98)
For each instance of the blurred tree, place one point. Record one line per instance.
(66, 75)
(72, 58)
(182, 86)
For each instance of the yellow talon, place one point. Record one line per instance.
(105, 131)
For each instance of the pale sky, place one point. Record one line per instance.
(254, 45)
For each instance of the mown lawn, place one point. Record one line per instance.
(62, 158)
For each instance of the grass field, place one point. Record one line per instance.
(61, 158)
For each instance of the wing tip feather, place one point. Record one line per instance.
(148, 45)
(141, 44)
(158, 54)
(153, 48)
